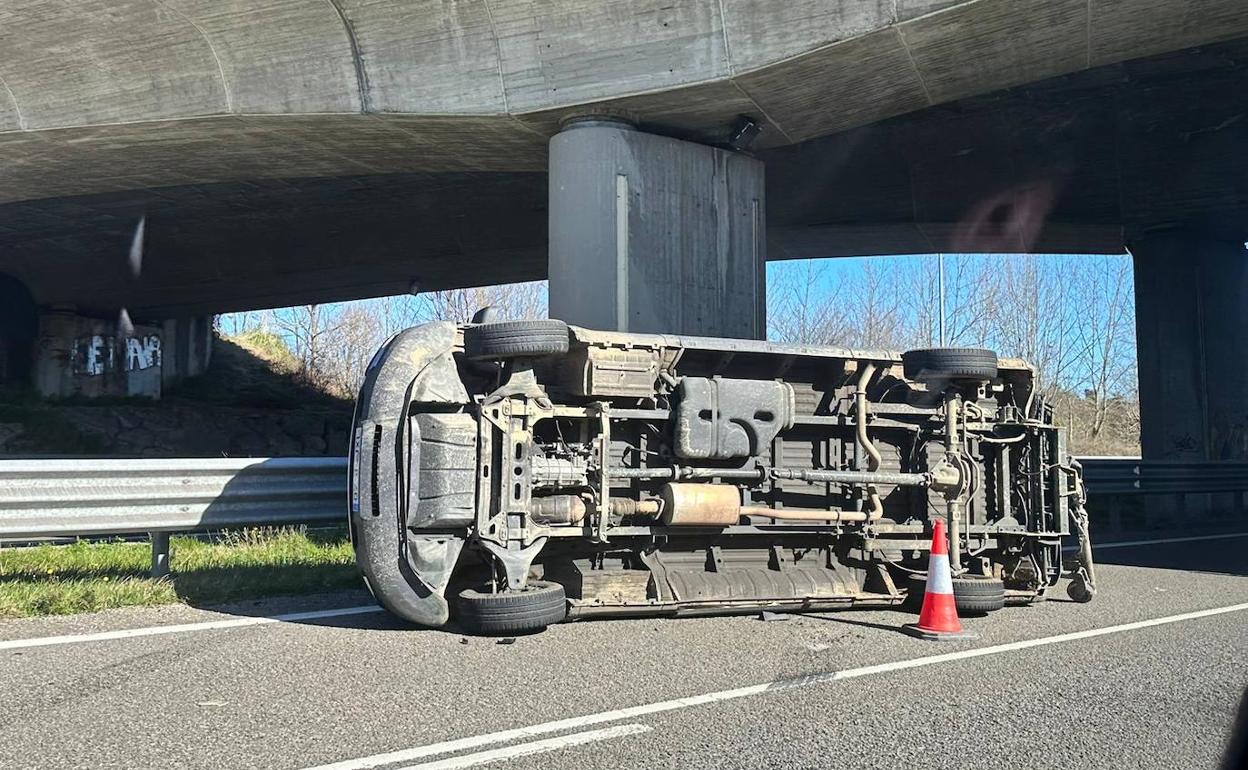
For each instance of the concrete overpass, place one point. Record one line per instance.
(179, 157)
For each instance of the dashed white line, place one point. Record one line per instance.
(534, 747)
(635, 712)
(211, 625)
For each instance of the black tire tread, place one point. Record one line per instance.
(516, 339)
(950, 363)
(972, 595)
(543, 604)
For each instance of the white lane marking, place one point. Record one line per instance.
(635, 712)
(294, 617)
(212, 625)
(1193, 538)
(1130, 543)
(534, 747)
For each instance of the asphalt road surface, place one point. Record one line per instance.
(1148, 675)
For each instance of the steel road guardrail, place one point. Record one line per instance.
(1131, 475)
(44, 499)
(55, 498)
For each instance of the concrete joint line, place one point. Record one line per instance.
(17, 108)
(361, 75)
(1088, 39)
(225, 84)
(901, 38)
(498, 53)
(723, 28)
(621, 252)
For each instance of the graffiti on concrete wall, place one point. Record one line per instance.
(95, 355)
(100, 354)
(142, 353)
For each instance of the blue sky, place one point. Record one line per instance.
(1052, 309)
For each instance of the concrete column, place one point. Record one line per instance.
(1192, 329)
(59, 329)
(19, 325)
(187, 347)
(654, 234)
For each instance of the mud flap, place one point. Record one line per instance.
(410, 586)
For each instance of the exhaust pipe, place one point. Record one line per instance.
(719, 505)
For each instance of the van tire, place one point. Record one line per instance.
(972, 594)
(513, 612)
(949, 364)
(515, 339)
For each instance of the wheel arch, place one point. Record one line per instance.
(384, 549)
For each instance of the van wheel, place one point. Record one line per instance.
(972, 594)
(513, 612)
(515, 339)
(949, 364)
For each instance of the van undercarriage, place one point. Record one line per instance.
(533, 471)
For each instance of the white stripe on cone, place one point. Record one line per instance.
(938, 580)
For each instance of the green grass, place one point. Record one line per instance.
(87, 577)
(269, 346)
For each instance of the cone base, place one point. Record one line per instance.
(914, 630)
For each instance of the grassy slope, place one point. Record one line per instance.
(86, 577)
(255, 369)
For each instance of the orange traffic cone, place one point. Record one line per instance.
(938, 619)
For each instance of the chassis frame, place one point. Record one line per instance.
(492, 472)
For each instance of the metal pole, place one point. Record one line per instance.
(160, 554)
(940, 283)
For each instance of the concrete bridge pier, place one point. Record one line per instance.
(654, 234)
(1191, 293)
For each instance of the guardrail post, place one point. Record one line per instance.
(160, 554)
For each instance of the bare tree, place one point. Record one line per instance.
(1106, 340)
(803, 307)
(1034, 318)
(309, 329)
(875, 306)
(970, 300)
(359, 331)
(234, 324)
(1070, 317)
(514, 300)
(397, 313)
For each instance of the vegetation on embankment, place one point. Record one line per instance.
(255, 369)
(88, 577)
(29, 427)
(252, 402)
